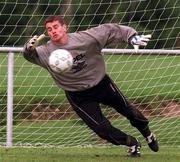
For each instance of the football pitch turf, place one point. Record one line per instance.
(93, 154)
(136, 76)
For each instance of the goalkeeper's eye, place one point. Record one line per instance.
(55, 26)
(49, 29)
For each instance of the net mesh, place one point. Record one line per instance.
(42, 115)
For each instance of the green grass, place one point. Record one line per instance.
(73, 132)
(109, 154)
(138, 76)
(141, 76)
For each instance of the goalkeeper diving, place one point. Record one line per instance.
(86, 84)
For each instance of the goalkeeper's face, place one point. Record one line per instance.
(57, 32)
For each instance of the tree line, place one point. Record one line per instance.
(19, 20)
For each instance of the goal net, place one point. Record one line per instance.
(151, 81)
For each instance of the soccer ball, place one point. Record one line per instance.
(60, 60)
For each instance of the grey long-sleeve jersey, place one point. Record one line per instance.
(85, 46)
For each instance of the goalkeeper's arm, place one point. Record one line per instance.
(29, 50)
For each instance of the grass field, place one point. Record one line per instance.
(113, 154)
(73, 133)
(139, 77)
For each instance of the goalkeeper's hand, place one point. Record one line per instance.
(34, 42)
(140, 40)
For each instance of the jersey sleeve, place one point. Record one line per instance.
(31, 56)
(35, 56)
(107, 34)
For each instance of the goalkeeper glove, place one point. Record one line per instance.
(33, 42)
(140, 40)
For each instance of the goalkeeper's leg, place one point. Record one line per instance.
(116, 99)
(89, 111)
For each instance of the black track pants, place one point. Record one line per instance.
(86, 105)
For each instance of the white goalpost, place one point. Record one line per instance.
(34, 111)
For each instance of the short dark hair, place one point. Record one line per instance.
(54, 18)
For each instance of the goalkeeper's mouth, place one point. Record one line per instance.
(55, 36)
